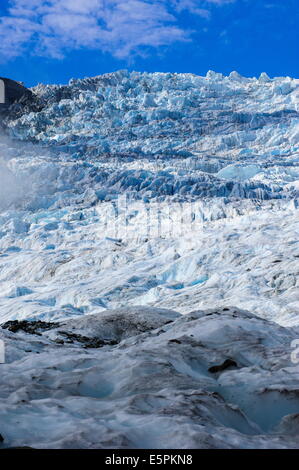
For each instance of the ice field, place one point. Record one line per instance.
(149, 233)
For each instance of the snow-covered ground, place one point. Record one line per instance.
(145, 191)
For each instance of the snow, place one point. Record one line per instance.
(239, 172)
(128, 202)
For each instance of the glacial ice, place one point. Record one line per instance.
(152, 221)
(150, 384)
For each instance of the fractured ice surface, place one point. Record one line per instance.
(127, 194)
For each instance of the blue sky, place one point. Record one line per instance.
(51, 41)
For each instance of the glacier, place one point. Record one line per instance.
(148, 233)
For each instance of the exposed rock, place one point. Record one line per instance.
(225, 365)
(32, 327)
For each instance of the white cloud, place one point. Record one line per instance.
(120, 27)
